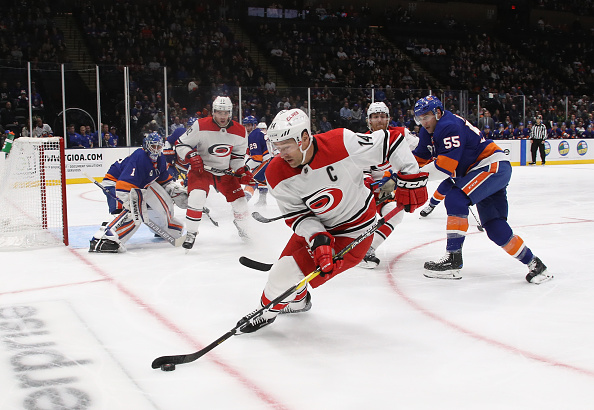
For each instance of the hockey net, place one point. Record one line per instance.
(33, 194)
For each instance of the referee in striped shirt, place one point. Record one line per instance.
(538, 134)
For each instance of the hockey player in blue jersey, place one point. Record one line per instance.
(449, 146)
(258, 159)
(139, 180)
(174, 167)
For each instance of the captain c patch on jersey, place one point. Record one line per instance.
(324, 200)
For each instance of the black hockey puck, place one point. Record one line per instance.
(168, 367)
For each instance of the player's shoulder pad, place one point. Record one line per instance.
(237, 129)
(278, 170)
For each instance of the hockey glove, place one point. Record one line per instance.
(178, 193)
(322, 246)
(387, 185)
(411, 190)
(245, 176)
(195, 161)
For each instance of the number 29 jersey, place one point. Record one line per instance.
(328, 193)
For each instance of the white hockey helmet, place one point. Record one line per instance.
(289, 124)
(222, 104)
(377, 107)
(263, 126)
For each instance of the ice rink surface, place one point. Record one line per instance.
(80, 330)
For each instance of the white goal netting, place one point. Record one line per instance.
(32, 194)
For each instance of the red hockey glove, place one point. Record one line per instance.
(323, 252)
(245, 176)
(411, 190)
(195, 161)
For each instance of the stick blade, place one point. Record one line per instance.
(159, 361)
(250, 263)
(258, 217)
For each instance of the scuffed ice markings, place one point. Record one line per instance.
(44, 373)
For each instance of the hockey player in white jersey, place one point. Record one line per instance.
(318, 184)
(378, 118)
(220, 143)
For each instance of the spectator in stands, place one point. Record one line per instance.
(86, 139)
(552, 133)
(114, 136)
(4, 91)
(324, 124)
(345, 114)
(356, 118)
(40, 129)
(486, 120)
(176, 124)
(8, 117)
(108, 139)
(74, 139)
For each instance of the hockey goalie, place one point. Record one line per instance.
(140, 190)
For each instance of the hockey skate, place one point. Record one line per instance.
(297, 307)
(447, 267)
(261, 198)
(104, 246)
(538, 271)
(242, 232)
(427, 210)
(190, 239)
(257, 323)
(370, 261)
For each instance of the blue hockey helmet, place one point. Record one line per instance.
(152, 144)
(191, 121)
(427, 104)
(250, 119)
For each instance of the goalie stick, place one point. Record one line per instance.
(154, 227)
(187, 358)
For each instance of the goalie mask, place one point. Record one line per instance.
(152, 144)
(221, 111)
(378, 108)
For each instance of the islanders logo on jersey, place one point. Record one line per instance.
(220, 150)
(563, 148)
(324, 200)
(582, 147)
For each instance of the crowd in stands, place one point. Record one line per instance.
(343, 63)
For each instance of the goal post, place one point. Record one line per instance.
(33, 194)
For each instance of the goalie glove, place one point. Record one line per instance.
(411, 190)
(322, 246)
(178, 194)
(245, 176)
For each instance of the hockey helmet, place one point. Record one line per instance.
(250, 119)
(191, 121)
(222, 104)
(427, 104)
(375, 108)
(289, 124)
(153, 145)
(262, 126)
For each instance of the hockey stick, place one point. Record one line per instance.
(156, 228)
(224, 171)
(207, 212)
(164, 362)
(478, 223)
(250, 263)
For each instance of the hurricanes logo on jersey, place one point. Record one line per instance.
(324, 200)
(220, 150)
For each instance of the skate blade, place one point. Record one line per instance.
(538, 279)
(452, 274)
(367, 265)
